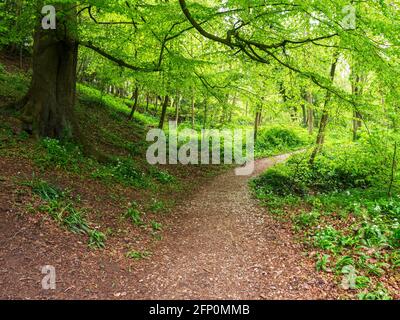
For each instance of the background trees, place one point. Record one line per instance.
(316, 76)
(235, 63)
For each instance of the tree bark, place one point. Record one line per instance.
(325, 116)
(310, 113)
(193, 113)
(163, 112)
(205, 113)
(135, 105)
(356, 115)
(156, 105)
(177, 107)
(257, 123)
(304, 115)
(48, 107)
(147, 102)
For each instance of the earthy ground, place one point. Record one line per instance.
(219, 244)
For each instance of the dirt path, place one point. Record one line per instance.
(220, 244)
(224, 246)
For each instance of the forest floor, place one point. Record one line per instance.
(201, 234)
(218, 244)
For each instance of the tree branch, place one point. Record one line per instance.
(116, 60)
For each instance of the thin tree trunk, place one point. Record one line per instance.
(163, 112)
(257, 123)
(394, 169)
(310, 113)
(156, 106)
(135, 105)
(325, 116)
(260, 118)
(304, 115)
(205, 114)
(21, 56)
(356, 124)
(177, 107)
(193, 113)
(356, 115)
(147, 103)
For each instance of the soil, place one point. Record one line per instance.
(218, 243)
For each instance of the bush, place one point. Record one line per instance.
(354, 165)
(277, 140)
(278, 181)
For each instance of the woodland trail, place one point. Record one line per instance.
(219, 244)
(225, 246)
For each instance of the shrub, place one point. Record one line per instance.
(277, 140)
(336, 168)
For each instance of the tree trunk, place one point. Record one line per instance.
(147, 103)
(257, 124)
(205, 114)
(193, 113)
(356, 115)
(356, 124)
(231, 109)
(163, 112)
(310, 120)
(304, 115)
(48, 107)
(158, 99)
(310, 113)
(325, 116)
(134, 107)
(177, 107)
(260, 118)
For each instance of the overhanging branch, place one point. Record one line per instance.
(116, 60)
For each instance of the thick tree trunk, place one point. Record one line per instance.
(163, 112)
(48, 108)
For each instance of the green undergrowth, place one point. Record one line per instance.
(277, 140)
(13, 85)
(119, 108)
(62, 208)
(343, 212)
(104, 122)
